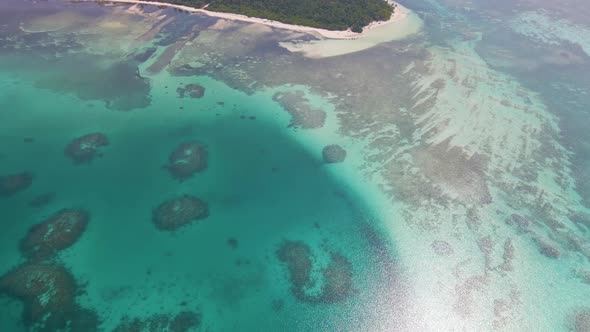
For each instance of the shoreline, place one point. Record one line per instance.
(399, 14)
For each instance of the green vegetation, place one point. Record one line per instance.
(326, 14)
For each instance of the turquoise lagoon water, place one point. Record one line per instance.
(462, 204)
(265, 184)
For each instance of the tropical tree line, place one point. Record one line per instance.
(327, 14)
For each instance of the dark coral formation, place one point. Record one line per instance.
(48, 292)
(232, 242)
(302, 114)
(508, 255)
(193, 90)
(56, 233)
(144, 55)
(44, 288)
(119, 85)
(83, 149)
(333, 154)
(277, 305)
(42, 200)
(584, 276)
(337, 284)
(442, 248)
(581, 219)
(546, 249)
(582, 321)
(520, 222)
(336, 280)
(178, 212)
(85, 320)
(185, 70)
(183, 322)
(297, 257)
(13, 183)
(187, 159)
(462, 175)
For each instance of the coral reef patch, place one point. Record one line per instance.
(336, 278)
(442, 248)
(337, 284)
(298, 259)
(48, 292)
(182, 322)
(303, 115)
(193, 91)
(188, 158)
(83, 149)
(546, 249)
(12, 183)
(333, 154)
(178, 212)
(58, 232)
(582, 321)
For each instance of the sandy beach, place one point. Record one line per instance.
(399, 14)
(403, 24)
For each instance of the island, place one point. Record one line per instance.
(338, 26)
(329, 15)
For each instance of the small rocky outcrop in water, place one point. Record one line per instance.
(333, 154)
(303, 115)
(193, 90)
(337, 282)
(56, 233)
(13, 183)
(187, 159)
(83, 149)
(180, 211)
